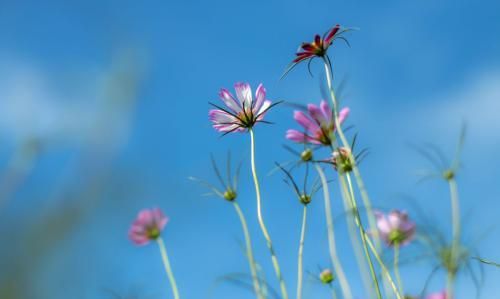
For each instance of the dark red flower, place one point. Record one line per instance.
(318, 47)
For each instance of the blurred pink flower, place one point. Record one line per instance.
(440, 295)
(318, 125)
(147, 226)
(395, 227)
(241, 113)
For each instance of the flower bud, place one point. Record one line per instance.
(305, 199)
(326, 276)
(448, 174)
(342, 160)
(306, 155)
(229, 195)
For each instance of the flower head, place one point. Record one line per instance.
(395, 228)
(147, 226)
(318, 125)
(341, 159)
(240, 113)
(326, 276)
(440, 295)
(318, 47)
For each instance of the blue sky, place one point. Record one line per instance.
(414, 73)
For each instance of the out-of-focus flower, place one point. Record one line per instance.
(440, 295)
(341, 159)
(319, 124)
(326, 276)
(318, 47)
(147, 226)
(395, 228)
(240, 113)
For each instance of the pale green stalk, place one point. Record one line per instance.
(357, 175)
(455, 219)
(168, 269)
(396, 268)
(384, 269)
(348, 191)
(358, 249)
(250, 257)
(301, 251)
(339, 271)
(263, 227)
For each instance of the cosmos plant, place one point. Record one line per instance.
(322, 147)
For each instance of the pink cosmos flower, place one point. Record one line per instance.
(440, 295)
(147, 226)
(318, 126)
(395, 227)
(240, 113)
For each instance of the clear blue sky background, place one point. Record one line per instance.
(415, 72)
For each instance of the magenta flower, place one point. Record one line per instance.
(395, 228)
(319, 124)
(440, 295)
(241, 113)
(147, 226)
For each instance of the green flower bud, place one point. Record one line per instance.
(342, 160)
(230, 195)
(306, 155)
(305, 199)
(326, 276)
(448, 174)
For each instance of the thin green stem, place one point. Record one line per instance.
(339, 271)
(384, 269)
(357, 174)
(301, 251)
(455, 220)
(396, 268)
(168, 269)
(348, 191)
(250, 256)
(263, 227)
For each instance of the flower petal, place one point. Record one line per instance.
(329, 38)
(306, 122)
(317, 115)
(260, 96)
(327, 111)
(229, 100)
(343, 114)
(300, 137)
(244, 94)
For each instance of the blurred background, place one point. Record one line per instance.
(103, 112)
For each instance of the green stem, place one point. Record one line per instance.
(350, 195)
(357, 175)
(396, 268)
(339, 271)
(455, 219)
(168, 269)
(250, 256)
(269, 243)
(384, 269)
(301, 251)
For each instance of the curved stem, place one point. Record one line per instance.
(344, 284)
(350, 194)
(301, 251)
(357, 175)
(396, 268)
(168, 269)
(384, 269)
(250, 257)
(455, 219)
(263, 227)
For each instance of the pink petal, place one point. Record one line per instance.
(263, 108)
(329, 38)
(327, 111)
(229, 100)
(317, 115)
(260, 96)
(300, 137)
(440, 295)
(383, 224)
(222, 118)
(343, 114)
(306, 122)
(244, 94)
